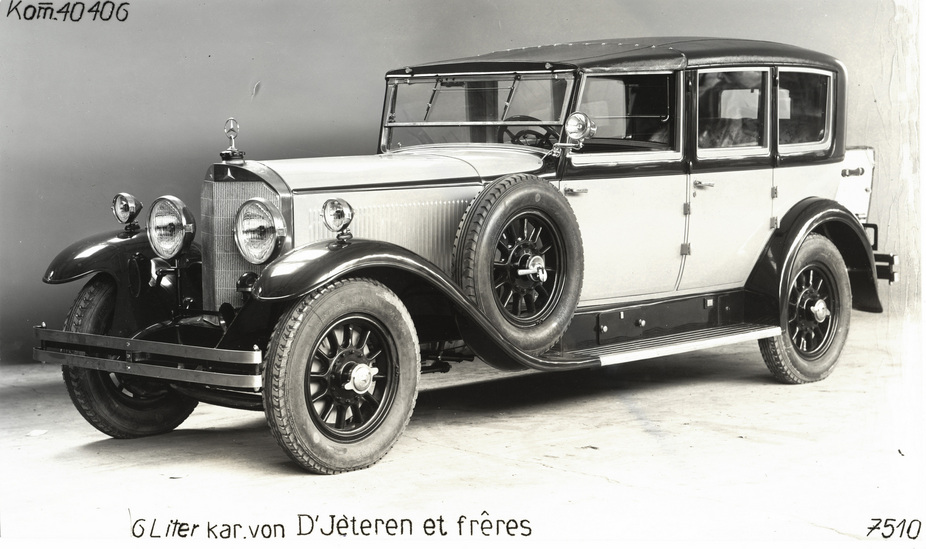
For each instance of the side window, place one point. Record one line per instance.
(804, 110)
(732, 109)
(633, 112)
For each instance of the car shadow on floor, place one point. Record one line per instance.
(537, 388)
(243, 438)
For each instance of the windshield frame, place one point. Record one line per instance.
(393, 83)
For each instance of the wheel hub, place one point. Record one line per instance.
(360, 378)
(535, 268)
(820, 311)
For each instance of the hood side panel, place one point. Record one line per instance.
(423, 220)
(414, 198)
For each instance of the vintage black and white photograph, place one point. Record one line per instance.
(408, 273)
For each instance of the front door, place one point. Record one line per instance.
(627, 186)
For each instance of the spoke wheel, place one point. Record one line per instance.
(525, 272)
(811, 324)
(815, 314)
(341, 376)
(348, 390)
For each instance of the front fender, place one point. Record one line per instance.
(769, 278)
(104, 252)
(311, 267)
(126, 257)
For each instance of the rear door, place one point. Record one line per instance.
(730, 185)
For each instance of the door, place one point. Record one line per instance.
(730, 186)
(627, 186)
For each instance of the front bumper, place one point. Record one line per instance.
(220, 368)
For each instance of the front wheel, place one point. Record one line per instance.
(814, 315)
(341, 376)
(119, 405)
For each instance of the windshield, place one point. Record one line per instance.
(509, 108)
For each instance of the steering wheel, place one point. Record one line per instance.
(527, 136)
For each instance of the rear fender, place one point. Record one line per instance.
(767, 284)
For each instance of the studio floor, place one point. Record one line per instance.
(702, 447)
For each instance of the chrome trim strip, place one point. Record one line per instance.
(237, 381)
(581, 160)
(120, 344)
(360, 187)
(407, 76)
(462, 123)
(681, 343)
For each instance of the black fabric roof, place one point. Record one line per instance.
(653, 53)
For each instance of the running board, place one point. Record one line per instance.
(653, 347)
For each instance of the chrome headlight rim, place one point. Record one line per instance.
(276, 234)
(126, 208)
(181, 233)
(337, 214)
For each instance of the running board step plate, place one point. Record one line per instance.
(653, 347)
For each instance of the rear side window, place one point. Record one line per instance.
(804, 110)
(732, 112)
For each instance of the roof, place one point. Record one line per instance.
(653, 53)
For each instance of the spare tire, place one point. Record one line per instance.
(518, 256)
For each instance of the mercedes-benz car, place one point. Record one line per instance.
(558, 207)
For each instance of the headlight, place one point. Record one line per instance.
(126, 207)
(259, 230)
(170, 227)
(337, 214)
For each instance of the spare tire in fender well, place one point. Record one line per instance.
(518, 256)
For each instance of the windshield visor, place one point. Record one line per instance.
(512, 108)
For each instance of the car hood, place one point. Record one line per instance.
(415, 166)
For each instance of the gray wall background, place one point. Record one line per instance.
(92, 108)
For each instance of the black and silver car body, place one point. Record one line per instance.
(552, 208)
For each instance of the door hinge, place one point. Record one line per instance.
(686, 208)
(774, 192)
(773, 223)
(686, 249)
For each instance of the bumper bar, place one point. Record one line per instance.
(185, 363)
(888, 267)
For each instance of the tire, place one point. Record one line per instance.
(335, 403)
(121, 406)
(516, 224)
(815, 315)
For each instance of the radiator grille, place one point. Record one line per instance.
(222, 263)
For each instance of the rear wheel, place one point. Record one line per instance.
(121, 406)
(341, 377)
(814, 315)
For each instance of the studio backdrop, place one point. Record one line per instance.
(102, 97)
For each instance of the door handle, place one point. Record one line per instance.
(703, 184)
(572, 192)
(853, 173)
